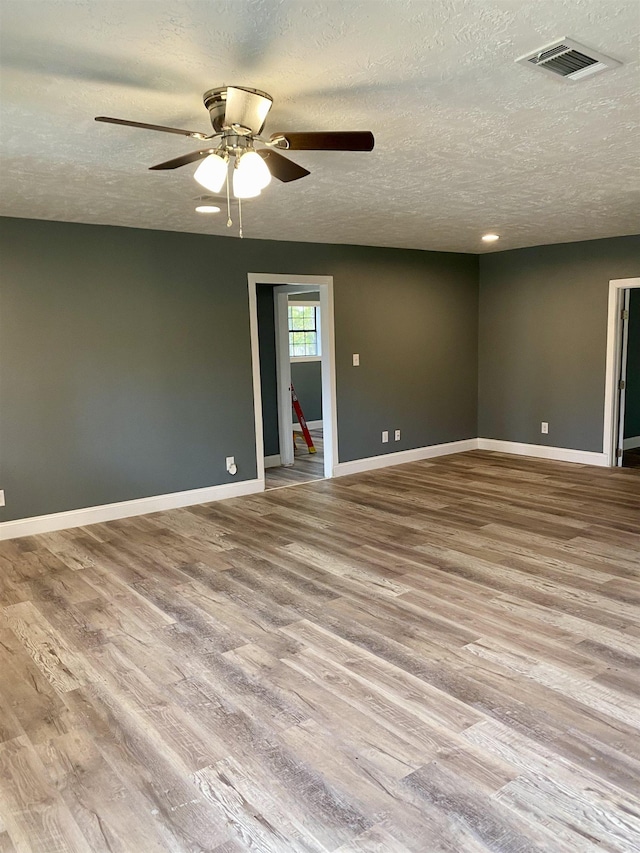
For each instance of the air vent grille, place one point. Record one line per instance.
(566, 58)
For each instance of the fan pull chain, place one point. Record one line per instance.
(229, 222)
(240, 217)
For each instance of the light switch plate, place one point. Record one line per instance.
(356, 359)
(1, 497)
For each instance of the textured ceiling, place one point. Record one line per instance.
(466, 140)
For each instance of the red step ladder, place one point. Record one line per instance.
(301, 420)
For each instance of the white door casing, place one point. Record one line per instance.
(615, 335)
(283, 283)
(283, 362)
(622, 376)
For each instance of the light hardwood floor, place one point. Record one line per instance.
(441, 656)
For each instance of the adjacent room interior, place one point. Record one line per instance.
(294, 368)
(414, 229)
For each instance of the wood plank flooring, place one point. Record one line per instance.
(437, 657)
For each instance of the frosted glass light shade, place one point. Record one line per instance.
(211, 173)
(242, 188)
(253, 168)
(250, 175)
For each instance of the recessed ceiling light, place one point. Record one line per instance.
(207, 208)
(490, 238)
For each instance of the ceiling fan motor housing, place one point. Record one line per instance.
(234, 107)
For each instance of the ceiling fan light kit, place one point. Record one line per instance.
(237, 116)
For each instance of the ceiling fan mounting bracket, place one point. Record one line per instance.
(278, 142)
(234, 143)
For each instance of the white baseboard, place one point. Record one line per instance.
(343, 469)
(631, 443)
(125, 509)
(272, 461)
(310, 424)
(542, 451)
(561, 454)
(142, 506)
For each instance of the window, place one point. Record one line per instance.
(304, 330)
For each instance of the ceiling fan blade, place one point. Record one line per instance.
(184, 160)
(281, 167)
(193, 133)
(334, 140)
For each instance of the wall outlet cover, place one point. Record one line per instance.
(356, 359)
(544, 428)
(396, 435)
(385, 436)
(1, 497)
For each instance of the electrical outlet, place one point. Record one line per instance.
(356, 359)
(231, 466)
(385, 436)
(544, 428)
(1, 497)
(396, 435)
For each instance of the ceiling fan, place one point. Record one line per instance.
(237, 116)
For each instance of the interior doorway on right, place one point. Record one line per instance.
(631, 377)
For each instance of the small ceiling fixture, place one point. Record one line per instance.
(490, 238)
(207, 208)
(237, 116)
(569, 59)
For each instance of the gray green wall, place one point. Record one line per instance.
(268, 368)
(632, 397)
(125, 361)
(413, 321)
(542, 340)
(124, 366)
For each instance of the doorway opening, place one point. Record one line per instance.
(622, 390)
(292, 342)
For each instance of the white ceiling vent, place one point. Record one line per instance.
(569, 59)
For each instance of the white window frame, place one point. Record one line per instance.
(297, 359)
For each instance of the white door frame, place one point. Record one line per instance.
(324, 283)
(283, 373)
(613, 365)
(281, 294)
